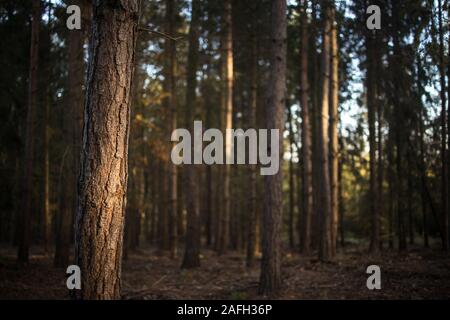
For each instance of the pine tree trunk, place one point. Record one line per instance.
(307, 195)
(163, 221)
(333, 130)
(341, 205)
(400, 132)
(191, 257)
(391, 181)
(444, 178)
(27, 184)
(252, 205)
(379, 106)
(448, 128)
(291, 179)
(371, 106)
(104, 161)
(228, 124)
(324, 203)
(423, 178)
(270, 279)
(76, 39)
(172, 107)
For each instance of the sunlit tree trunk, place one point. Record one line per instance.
(333, 130)
(104, 160)
(228, 123)
(324, 203)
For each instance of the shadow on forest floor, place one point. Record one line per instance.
(418, 274)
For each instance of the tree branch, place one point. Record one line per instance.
(165, 35)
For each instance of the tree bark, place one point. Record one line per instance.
(307, 195)
(324, 205)
(228, 124)
(172, 107)
(291, 179)
(333, 130)
(371, 109)
(444, 178)
(72, 130)
(252, 205)
(27, 184)
(423, 178)
(104, 156)
(191, 257)
(270, 278)
(400, 132)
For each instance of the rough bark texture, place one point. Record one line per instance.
(191, 257)
(270, 279)
(307, 200)
(27, 184)
(104, 156)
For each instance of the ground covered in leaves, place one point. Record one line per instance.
(418, 274)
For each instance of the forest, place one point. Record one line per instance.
(341, 164)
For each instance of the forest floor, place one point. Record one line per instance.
(417, 274)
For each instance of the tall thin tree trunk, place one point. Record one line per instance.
(163, 219)
(423, 189)
(444, 178)
(291, 179)
(307, 194)
(191, 257)
(104, 161)
(228, 124)
(46, 221)
(71, 130)
(448, 128)
(46, 214)
(172, 107)
(410, 204)
(371, 108)
(270, 279)
(341, 204)
(324, 203)
(252, 205)
(400, 129)
(391, 181)
(334, 153)
(27, 184)
(380, 174)
(315, 113)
